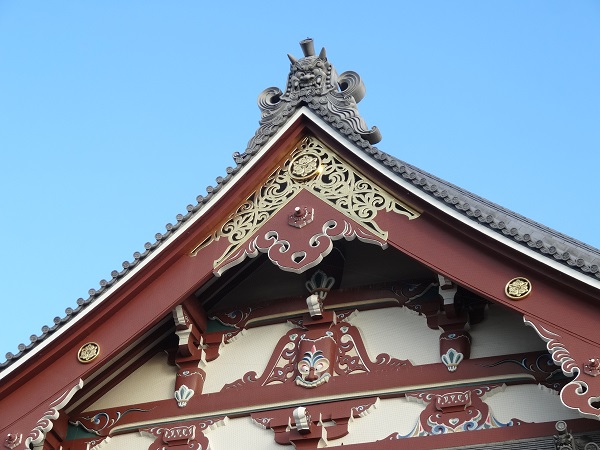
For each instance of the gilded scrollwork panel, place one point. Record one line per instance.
(313, 167)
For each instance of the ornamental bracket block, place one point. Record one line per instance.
(310, 430)
(183, 435)
(190, 356)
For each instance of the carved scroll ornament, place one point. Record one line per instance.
(454, 412)
(316, 169)
(312, 358)
(45, 424)
(572, 355)
(189, 435)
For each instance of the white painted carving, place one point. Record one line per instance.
(452, 359)
(183, 395)
(45, 424)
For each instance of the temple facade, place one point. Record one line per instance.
(323, 294)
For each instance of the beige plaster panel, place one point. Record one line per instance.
(396, 415)
(242, 433)
(154, 380)
(250, 351)
(530, 403)
(129, 441)
(503, 332)
(396, 331)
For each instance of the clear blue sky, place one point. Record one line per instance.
(115, 115)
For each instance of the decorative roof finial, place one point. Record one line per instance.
(314, 82)
(308, 47)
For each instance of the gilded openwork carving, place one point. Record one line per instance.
(312, 167)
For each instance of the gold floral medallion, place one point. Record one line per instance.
(88, 352)
(305, 166)
(518, 288)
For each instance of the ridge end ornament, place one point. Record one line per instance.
(88, 352)
(518, 288)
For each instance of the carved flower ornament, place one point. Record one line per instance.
(518, 288)
(305, 166)
(88, 352)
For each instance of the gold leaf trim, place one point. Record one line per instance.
(313, 167)
(88, 352)
(518, 288)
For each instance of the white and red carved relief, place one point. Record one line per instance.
(314, 354)
(95, 443)
(325, 356)
(456, 411)
(188, 435)
(190, 356)
(577, 358)
(196, 348)
(298, 249)
(37, 436)
(313, 426)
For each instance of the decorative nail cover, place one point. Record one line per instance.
(88, 352)
(518, 288)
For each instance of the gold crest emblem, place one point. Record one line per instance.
(88, 352)
(518, 288)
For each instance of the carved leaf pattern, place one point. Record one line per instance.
(286, 365)
(349, 360)
(339, 184)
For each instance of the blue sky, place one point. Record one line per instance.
(115, 115)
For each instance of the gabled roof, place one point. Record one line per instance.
(333, 100)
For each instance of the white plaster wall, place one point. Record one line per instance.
(400, 332)
(404, 334)
(530, 403)
(396, 415)
(249, 351)
(129, 441)
(503, 332)
(242, 433)
(154, 380)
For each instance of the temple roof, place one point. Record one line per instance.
(313, 83)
